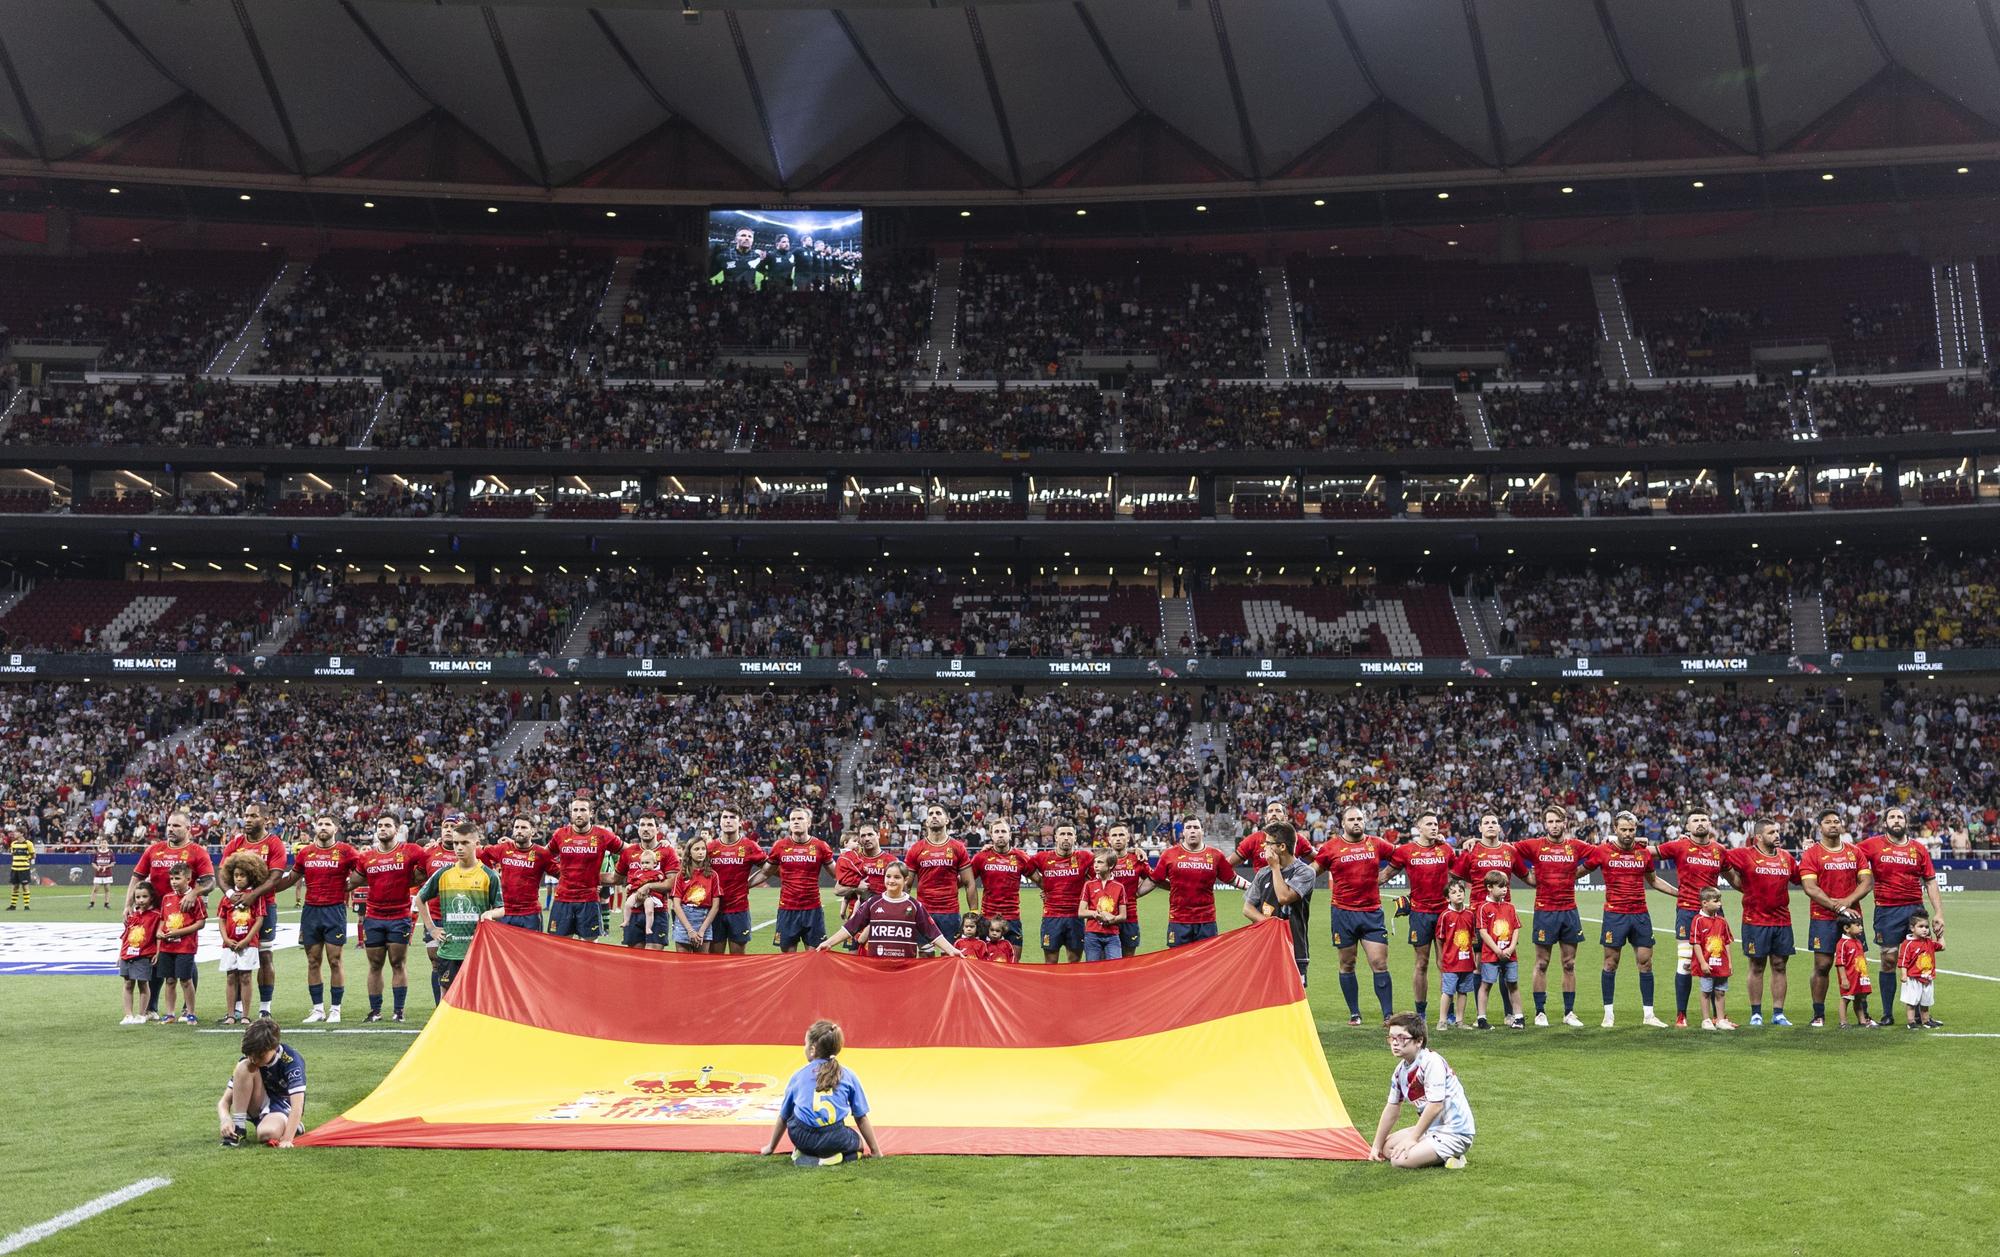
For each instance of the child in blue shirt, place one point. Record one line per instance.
(819, 1099)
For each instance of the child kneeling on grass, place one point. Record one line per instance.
(268, 1087)
(819, 1099)
(1443, 1133)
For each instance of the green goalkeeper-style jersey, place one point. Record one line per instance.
(464, 894)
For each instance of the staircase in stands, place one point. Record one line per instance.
(1176, 623)
(940, 360)
(612, 308)
(1808, 624)
(241, 356)
(1619, 349)
(1281, 334)
(1473, 407)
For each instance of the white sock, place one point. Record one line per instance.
(1646, 1009)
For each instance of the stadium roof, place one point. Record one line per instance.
(898, 100)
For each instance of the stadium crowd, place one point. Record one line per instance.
(1914, 602)
(1640, 609)
(197, 412)
(1184, 414)
(409, 617)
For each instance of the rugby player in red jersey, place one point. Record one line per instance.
(153, 868)
(1628, 865)
(796, 860)
(1551, 864)
(942, 867)
(437, 856)
(323, 866)
(392, 871)
(896, 926)
(1488, 853)
(738, 864)
(857, 874)
(1836, 879)
(1191, 870)
(1698, 859)
(1250, 851)
(1765, 876)
(1356, 865)
(1128, 869)
(1426, 860)
(646, 868)
(1904, 880)
(579, 849)
(255, 837)
(998, 869)
(521, 864)
(1062, 872)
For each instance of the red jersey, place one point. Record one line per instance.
(998, 950)
(438, 856)
(732, 862)
(1000, 875)
(1475, 860)
(1063, 877)
(141, 936)
(238, 922)
(1498, 919)
(696, 889)
(580, 861)
(1917, 961)
(636, 871)
(393, 876)
(1105, 896)
(176, 917)
(1901, 869)
(799, 864)
(1127, 870)
(1837, 873)
(937, 866)
(270, 847)
(1458, 940)
(855, 869)
(1624, 876)
(1191, 878)
(1710, 937)
(897, 928)
(324, 870)
(1354, 871)
(1251, 850)
(157, 861)
(1697, 866)
(521, 872)
(1555, 864)
(1766, 882)
(1428, 869)
(1850, 957)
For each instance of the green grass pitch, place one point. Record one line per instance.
(1602, 1141)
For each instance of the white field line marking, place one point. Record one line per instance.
(288, 1033)
(82, 1213)
(1962, 1036)
(1980, 976)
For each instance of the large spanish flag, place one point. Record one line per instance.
(1206, 1051)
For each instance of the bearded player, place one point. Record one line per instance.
(579, 849)
(1836, 878)
(391, 870)
(1426, 860)
(1628, 865)
(437, 856)
(796, 860)
(323, 865)
(1904, 880)
(1128, 869)
(1191, 870)
(1490, 852)
(1765, 875)
(942, 868)
(1250, 852)
(998, 870)
(1356, 864)
(1698, 861)
(738, 863)
(1551, 864)
(522, 863)
(1062, 872)
(857, 874)
(646, 869)
(256, 837)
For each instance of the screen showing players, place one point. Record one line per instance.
(813, 250)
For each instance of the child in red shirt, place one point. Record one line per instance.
(239, 923)
(1499, 936)
(1850, 958)
(1458, 952)
(972, 936)
(180, 930)
(136, 945)
(1918, 964)
(998, 946)
(1103, 908)
(1710, 937)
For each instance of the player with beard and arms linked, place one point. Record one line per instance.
(1628, 865)
(942, 868)
(1551, 864)
(323, 867)
(646, 868)
(1488, 853)
(1250, 852)
(392, 871)
(1063, 870)
(895, 926)
(579, 849)
(997, 873)
(1836, 878)
(521, 864)
(857, 874)
(796, 860)
(436, 855)
(1904, 880)
(1765, 875)
(1355, 863)
(256, 837)
(1191, 870)
(780, 273)
(1698, 861)
(1128, 869)
(1426, 860)
(738, 863)
(155, 868)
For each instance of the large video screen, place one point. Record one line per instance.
(785, 250)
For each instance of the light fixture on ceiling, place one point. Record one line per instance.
(114, 191)
(1964, 170)
(1444, 196)
(243, 196)
(368, 205)
(493, 209)
(965, 213)
(1201, 209)
(1080, 213)
(1567, 190)
(611, 213)
(1320, 201)
(1699, 184)
(1827, 177)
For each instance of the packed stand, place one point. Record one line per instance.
(220, 616)
(455, 308)
(62, 743)
(1636, 609)
(1913, 602)
(1021, 314)
(151, 311)
(567, 414)
(410, 617)
(1580, 415)
(881, 415)
(196, 412)
(1181, 415)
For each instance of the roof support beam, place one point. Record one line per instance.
(33, 123)
(1874, 31)
(993, 92)
(402, 72)
(1251, 153)
(270, 86)
(756, 94)
(1354, 48)
(1495, 132)
(1748, 58)
(1612, 41)
(632, 63)
(159, 66)
(1104, 52)
(868, 63)
(514, 88)
(1992, 28)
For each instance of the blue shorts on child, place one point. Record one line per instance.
(1466, 983)
(1490, 974)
